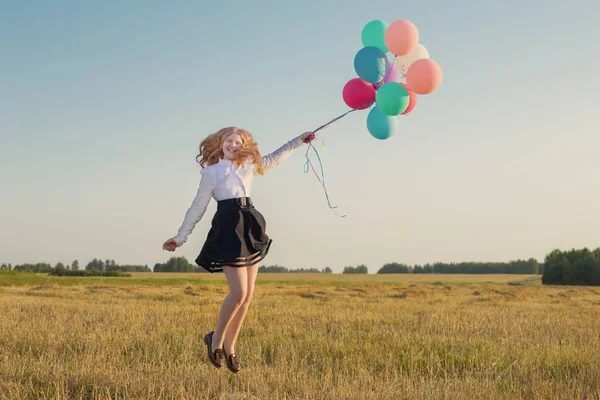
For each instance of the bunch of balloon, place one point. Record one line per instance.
(379, 82)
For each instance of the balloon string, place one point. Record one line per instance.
(360, 107)
(322, 179)
(310, 146)
(333, 120)
(322, 142)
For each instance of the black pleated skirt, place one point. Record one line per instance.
(237, 237)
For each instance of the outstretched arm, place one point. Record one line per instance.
(282, 153)
(196, 211)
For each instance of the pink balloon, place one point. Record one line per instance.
(358, 94)
(401, 37)
(413, 100)
(424, 76)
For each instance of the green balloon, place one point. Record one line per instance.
(373, 34)
(392, 98)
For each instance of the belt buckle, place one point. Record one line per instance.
(242, 202)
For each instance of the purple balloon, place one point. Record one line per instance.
(391, 75)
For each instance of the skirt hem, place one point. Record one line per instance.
(213, 266)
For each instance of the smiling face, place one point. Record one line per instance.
(231, 145)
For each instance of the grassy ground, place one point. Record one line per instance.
(307, 336)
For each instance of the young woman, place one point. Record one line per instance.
(237, 240)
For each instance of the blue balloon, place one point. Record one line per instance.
(370, 64)
(380, 125)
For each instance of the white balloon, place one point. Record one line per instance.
(404, 62)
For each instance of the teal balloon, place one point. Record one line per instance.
(370, 64)
(381, 126)
(392, 98)
(373, 34)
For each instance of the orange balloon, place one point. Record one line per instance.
(424, 76)
(401, 37)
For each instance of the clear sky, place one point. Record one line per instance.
(103, 105)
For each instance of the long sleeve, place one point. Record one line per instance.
(282, 153)
(199, 205)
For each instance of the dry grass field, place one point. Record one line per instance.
(306, 336)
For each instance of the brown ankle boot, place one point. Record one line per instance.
(215, 357)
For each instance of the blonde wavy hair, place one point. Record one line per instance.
(211, 149)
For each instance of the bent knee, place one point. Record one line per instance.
(237, 296)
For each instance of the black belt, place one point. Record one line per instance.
(239, 202)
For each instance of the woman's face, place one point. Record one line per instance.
(231, 145)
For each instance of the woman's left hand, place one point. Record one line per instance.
(308, 137)
(170, 245)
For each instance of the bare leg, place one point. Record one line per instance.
(238, 283)
(236, 322)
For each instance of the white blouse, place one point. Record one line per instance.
(225, 180)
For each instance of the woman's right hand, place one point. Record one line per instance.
(307, 137)
(170, 245)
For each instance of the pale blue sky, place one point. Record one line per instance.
(103, 105)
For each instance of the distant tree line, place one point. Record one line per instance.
(278, 268)
(177, 264)
(37, 268)
(90, 272)
(361, 269)
(573, 267)
(530, 267)
(95, 267)
(181, 264)
(110, 265)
